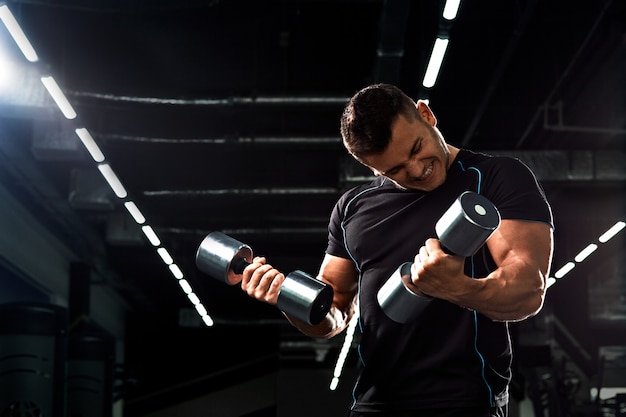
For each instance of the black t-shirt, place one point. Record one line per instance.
(449, 356)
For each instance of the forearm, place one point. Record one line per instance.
(516, 289)
(510, 293)
(334, 323)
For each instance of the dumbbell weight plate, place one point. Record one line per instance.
(223, 258)
(304, 297)
(467, 224)
(397, 301)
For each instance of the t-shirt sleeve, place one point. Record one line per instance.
(336, 245)
(513, 188)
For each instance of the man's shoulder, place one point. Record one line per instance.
(376, 182)
(482, 156)
(487, 159)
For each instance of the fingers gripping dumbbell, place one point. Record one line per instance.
(462, 230)
(301, 296)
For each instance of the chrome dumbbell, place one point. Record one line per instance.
(462, 230)
(301, 296)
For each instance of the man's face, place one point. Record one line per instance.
(417, 157)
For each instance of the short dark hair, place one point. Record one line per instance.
(367, 118)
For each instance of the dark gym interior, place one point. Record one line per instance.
(223, 115)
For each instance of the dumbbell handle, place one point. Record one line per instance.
(238, 265)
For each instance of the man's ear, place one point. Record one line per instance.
(426, 113)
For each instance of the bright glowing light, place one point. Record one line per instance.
(185, 286)
(18, 35)
(193, 298)
(164, 254)
(586, 252)
(175, 270)
(152, 237)
(90, 144)
(343, 353)
(450, 9)
(208, 320)
(434, 64)
(7, 72)
(550, 282)
(564, 270)
(615, 229)
(201, 309)
(114, 182)
(58, 97)
(134, 211)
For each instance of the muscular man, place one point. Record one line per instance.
(454, 359)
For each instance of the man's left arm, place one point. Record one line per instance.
(516, 289)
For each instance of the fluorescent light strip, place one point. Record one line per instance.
(164, 254)
(582, 255)
(615, 229)
(434, 64)
(17, 33)
(134, 211)
(114, 182)
(564, 270)
(186, 287)
(152, 237)
(588, 250)
(184, 284)
(85, 137)
(175, 270)
(343, 354)
(450, 9)
(97, 155)
(201, 309)
(193, 298)
(58, 97)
